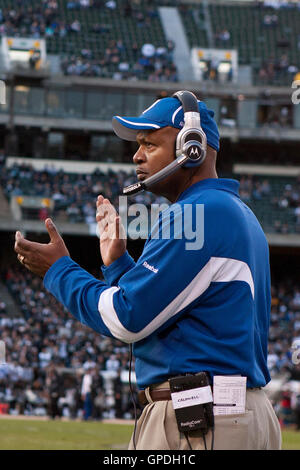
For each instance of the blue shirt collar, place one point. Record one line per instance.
(224, 184)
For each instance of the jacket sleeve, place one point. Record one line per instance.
(114, 271)
(166, 280)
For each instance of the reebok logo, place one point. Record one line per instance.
(151, 268)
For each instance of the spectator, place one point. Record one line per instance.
(2, 307)
(97, 394)
(75, 26)
(111, 5)
(272, 360)
(225, 35)
(257, 192)
(85, 3)
(148, 50)
(53, 388)
(86, 393)
(222, 37)
(43, 213)
(73, 213)
(265, 188)
(112, 363)
(89, 212)
(118, 394)
(297, 214)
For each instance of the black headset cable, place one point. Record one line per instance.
(132, 395)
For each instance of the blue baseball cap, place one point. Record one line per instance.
(166, 112)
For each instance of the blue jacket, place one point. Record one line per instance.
(186, 306)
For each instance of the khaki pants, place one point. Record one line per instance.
(257, 429)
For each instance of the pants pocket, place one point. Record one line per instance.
(157, 428)
(234, 432)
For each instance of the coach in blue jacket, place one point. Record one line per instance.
(185, 307)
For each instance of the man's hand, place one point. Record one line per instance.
(39, 257)
(111, 230)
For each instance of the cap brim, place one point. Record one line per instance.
(127, 128)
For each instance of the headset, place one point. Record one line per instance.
(190, 147)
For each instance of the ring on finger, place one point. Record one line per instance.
(21, 258)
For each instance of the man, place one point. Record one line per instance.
(186, 307)
(53, 383)
(86, 393)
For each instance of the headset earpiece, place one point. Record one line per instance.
(191, 140)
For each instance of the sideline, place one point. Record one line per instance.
(64, 419)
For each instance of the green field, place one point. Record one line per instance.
(19, 434)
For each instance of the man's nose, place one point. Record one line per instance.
(139, 156)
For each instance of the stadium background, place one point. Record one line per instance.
(68, 66)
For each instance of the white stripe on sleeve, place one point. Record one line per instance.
(215, 270)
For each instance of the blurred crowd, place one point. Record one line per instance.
(279, 70)
(152, 63)
(274, 71)
(130, 61)
(251, 189)
(74, 195)
(284, 332)
(284, 351)
(39, 19)
(289, 199)
(278, 202)
(46, 20)
(277, 4)
(55, 365)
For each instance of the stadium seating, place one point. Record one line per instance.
(87, 36)
(74, 194)
(194, 24)
(45, 336)
(99, 29)
(257, 43)
(273, 203)
(275, 209)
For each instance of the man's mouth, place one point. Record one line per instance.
(141, 175)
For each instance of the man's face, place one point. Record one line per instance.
(156, 150)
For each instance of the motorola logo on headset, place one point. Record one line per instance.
(193, 152)
(190, 147)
